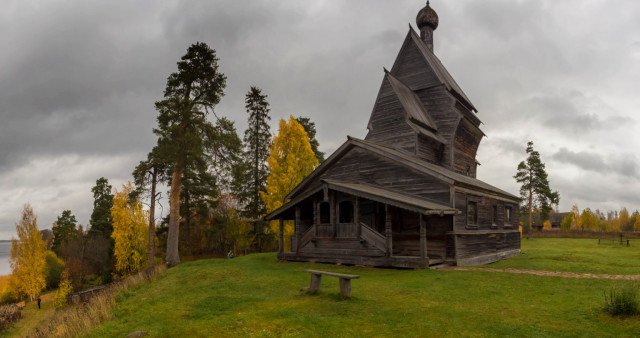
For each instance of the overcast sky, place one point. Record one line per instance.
(78, 80)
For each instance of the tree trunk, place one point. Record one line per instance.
(187, 223)
(530, 208)
(152, 219)
(173, 256)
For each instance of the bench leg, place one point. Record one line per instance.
(316, 281)
(345, 287)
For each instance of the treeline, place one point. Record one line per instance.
(600, 221)
(219, 188)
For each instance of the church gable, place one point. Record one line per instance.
(412, 68)
(362, 166)
(388, 124)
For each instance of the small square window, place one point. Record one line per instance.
(472, 213)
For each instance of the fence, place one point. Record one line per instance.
(553, 233)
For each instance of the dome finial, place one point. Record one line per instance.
(427, 21)
(427, 17)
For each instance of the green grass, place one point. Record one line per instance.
(257, 295)
(575, 255)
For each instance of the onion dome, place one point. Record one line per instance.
(427, 17)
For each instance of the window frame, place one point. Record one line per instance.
(494, 216)
(475, 214)
(508, 214)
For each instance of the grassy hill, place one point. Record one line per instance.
(257, 295)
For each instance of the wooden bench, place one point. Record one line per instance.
(345, 281)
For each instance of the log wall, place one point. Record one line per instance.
(388, 124)
(467, 139)
(364, 167)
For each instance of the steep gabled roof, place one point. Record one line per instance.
(438, 68)
(411, 103)
(441, 173)
(436, 169)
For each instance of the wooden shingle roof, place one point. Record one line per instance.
(398, 199)
(440, 71)
(411, 103)
(445, 175)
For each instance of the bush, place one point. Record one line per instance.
(8, 315)
(54, 268)
(7, 295)
(622, 301)
(60, 299)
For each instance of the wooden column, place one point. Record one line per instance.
(315, 212)
(332, 211)
(356, 215)
(388, 230)
(423, 238)
(281, 239)
(298, 228)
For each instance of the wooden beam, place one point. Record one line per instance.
(315, 211)
(423, 238)
(356, 215)
(332, 211)
(387, 230)
(281, 238)
(298, 228)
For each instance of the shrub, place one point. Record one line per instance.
(7, 295)
(622, 301)
(8, 315)
(54, 268)
(60, 299)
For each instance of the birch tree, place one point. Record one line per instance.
(28, 252)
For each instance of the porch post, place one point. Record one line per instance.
(315, 211)
(298, 228)
(356, 215)
(387, 230)
(332, 211)
(423, 238)
(281, 239)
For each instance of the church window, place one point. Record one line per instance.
(472, 213)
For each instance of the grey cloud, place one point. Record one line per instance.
(621, 164)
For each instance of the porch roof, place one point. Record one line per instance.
(374, 193)
(383, 195)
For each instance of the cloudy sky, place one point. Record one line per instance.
(78, 80)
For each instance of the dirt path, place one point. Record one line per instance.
(549, 273)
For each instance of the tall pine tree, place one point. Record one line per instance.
(147, 175)
(535, 190)
(100, 221)
(64, 228)
(257, 139)
(185, 134)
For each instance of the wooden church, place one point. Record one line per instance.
(407, 195)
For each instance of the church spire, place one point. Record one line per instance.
(427, 21)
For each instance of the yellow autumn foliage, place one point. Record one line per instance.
(130, 232)
(546, 225)
(28, 264)
(290, 160)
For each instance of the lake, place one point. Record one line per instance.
(5, 253)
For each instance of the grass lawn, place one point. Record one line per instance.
(257, 295)
(575, 255)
